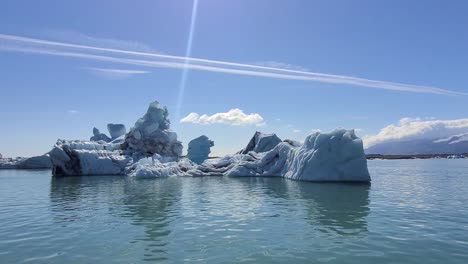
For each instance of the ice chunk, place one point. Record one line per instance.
(37, 162)
(261, 142)
(81, 157)
(151, 134)
(335, 156)
(293, 143)
(119, 140)
(151, 149)
(199, 149)
(154, 168)
(98, 136)
(102, 162)
(116, 130)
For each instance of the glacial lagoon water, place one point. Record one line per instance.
(415, 211)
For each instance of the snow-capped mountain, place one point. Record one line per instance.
(456, 144)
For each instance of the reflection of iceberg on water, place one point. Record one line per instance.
(138, 202)
(342, 208)
(151, 149)
(337, 207)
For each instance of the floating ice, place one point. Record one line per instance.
(151, 149)
(153, 167)
(116, 130)
(98, 136)
(199, 149)
(261, 142)
(37, 162)
(335, 156)
(151, 134)
(81, 157)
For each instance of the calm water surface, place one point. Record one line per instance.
(415, 211)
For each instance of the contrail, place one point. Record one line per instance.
(20, 44)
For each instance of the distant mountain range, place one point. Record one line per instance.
(456, 144)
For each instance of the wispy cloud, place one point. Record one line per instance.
(115, 74)
(73, 112)
(297, 131)
(156, 60)
(281, 65)
(84, 39)
(417, 128)
(232, 117)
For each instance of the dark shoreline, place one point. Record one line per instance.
(416, 156)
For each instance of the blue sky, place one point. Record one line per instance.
(50, 96)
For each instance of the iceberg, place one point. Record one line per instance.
(82, 157)
(151, 149)
(116, 130)
(37, 162)
(335, 156)
(199, 149)
(261, 142)
(151, 134)
(98, 136)
(155, 167)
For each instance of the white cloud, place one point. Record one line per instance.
(115, 74)
(417, 128)
(191, 118)
(14, 43)
(73, 112)
(297, 131)
(313, 130)
(232, 117)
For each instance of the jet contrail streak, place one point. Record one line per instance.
(31, 45)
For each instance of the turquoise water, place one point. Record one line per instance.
(415, 211)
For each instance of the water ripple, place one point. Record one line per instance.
(414, 211)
